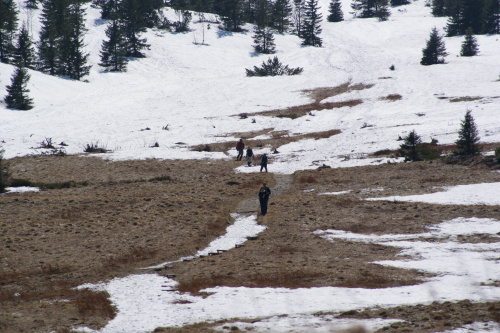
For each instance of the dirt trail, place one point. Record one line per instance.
(283, 183)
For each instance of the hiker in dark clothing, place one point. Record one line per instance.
(263, 162)
(240, 146)
(249, 156)
(264, 194)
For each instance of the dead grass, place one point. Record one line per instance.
(307, 180)
(133, 255)
(392, 97)
(320, 94)
(94, 303)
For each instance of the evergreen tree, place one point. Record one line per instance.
(464, 14)
(336, 14)
(298, 15)
(469, 45)
(53, 25)
(437, 8)
(114, 50)
(231, 12)
(371, 8)
(262, 14)
(282, 10)
(491, 17)
(399, 2)
(264, 40)
(24, 53)
(131, 22)
(435, 50)
(8, 28)
(409, 149)
(311, 25)
(108, 8)
(31, 4)
(468, 137)
(17, 97)
(73, 60)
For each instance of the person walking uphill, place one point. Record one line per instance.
(263, 162)
(264, 194)
(239, 147)
(249, 156)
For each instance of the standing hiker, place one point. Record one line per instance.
(264, 194)
(239, 147)
(249, 156)
(263, 162)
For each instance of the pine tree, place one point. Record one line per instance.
(409, 149)
(131, 23)
(73, 60)
(437, 8)
(114, 50)
(17, 97)
(108, 8)
(468, 137)
(464, 14)
(31, 4)
(435, 50)
(371, 8)
(469, 45)
(8, 27)
(399, 2)
(53, 24)
(24, 53)
(232, 14)
(282, 10)
(491, 17)
(335, 10)
(298, 15)
(382, 10)
(262, 13)
(311, 25)
(264, 40)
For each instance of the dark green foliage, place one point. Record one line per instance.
(298, 15)
(399, 2)
(109, 8)
(428, 151)
(273, 67)
(8, 27)
(435, 50)
(371, 8)
(491, 17)
(182, 25)
(17, 93)
(311, 24)
(24, 53)
(114, 50)
(132, 22)
(438, 8)
(31, 4)
(264, 40)
(335, 10)
(469, 46)
(54, 26)
(94, 147)
(231, 12)
(282, 10)
(16, 182)
(464, 14)
(409, 149)
(497, 154)
(4, 173)
(468, 137)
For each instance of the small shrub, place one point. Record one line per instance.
(291, 116)
(93, 147)
(16, 182)
(382, 152)
(47, 143)
(273, 67)
(161, 179)
(4, 173)
(307, 180)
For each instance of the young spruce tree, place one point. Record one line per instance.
(435, 50)
(409, 149)
(24, 53)
(468, 137)
(335, 10)
(469, 46)
(282, 10)
(264, 40)
(114, 50)
(132, 25)
(311, 24)
(17, 93)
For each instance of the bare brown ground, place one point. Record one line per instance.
(123, 220)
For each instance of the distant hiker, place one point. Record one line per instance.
(264, 194)
(263, 162)
(239, 147)
(249, 156)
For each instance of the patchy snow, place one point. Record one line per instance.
(473, 194)
(22, 189)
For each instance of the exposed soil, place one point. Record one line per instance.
(122, 216)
